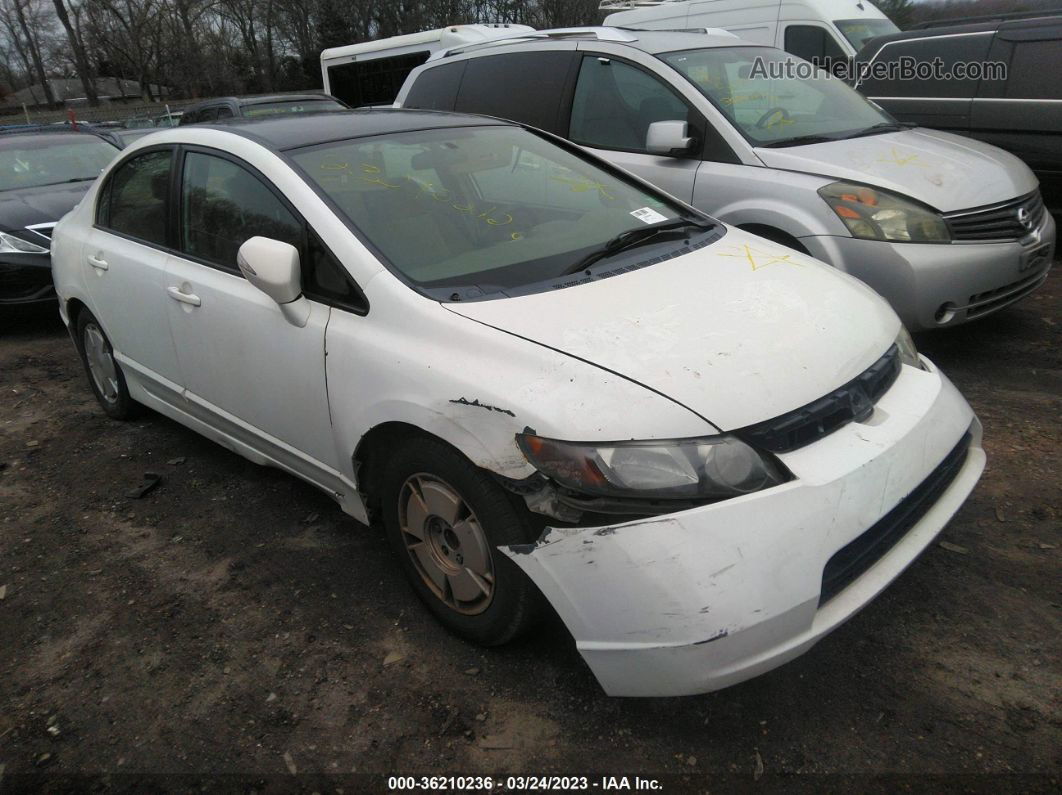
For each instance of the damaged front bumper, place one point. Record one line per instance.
(702, 599)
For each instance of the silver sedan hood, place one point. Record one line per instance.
(945, 171)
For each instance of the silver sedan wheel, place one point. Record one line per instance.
(101, 362)
(446, 543)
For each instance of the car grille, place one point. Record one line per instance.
(849, 562)
(999, 221)
(851, 403)
(983, 303)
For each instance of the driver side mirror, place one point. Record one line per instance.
(669, 138)
(273, 267)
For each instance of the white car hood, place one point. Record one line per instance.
(945, 171)
(739, 332)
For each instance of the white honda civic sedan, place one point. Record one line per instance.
(553, 385)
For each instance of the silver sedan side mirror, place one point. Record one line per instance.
(669, 138)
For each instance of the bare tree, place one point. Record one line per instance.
(26, 38)
(81, 61)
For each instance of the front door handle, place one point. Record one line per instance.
(185, 298)
(97, 263)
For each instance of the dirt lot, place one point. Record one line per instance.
(234, 622)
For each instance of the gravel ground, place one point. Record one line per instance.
(232, 629)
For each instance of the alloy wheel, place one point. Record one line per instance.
(446, 543)
(101, 364)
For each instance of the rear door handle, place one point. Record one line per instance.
(184, 298)
(97, 263)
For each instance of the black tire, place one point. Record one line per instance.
(515, 604)
(120, 405)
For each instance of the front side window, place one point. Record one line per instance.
(492, 207)
(1029, 66)
(32, 161)
(223, 205)
(860, 31)
(947, 50)
(134, 200)
(769, 104)
(615, 103)
(812, 43)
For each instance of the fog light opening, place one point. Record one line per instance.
(945, 313)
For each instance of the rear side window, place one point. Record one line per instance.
(223, 205)
(224, 112)
(436, 88)
(526, 87)
(812, 43)
(134, 200)
(1030, 68)
(950, 49)
(615, 103)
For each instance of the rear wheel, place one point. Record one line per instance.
(104, 373)
(445, 519)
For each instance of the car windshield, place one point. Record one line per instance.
(860, 31)
(494, 208)
(300, 106)
(766, 95)
(29, 161)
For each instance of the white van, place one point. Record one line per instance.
(816, 30)
(371, 73)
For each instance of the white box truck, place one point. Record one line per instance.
(819, 31)
(370, 73)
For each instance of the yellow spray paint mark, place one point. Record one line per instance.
(584, 185)
(902, 159)
(757, 258)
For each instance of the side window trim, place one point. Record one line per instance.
(177, 199)
(105, 192)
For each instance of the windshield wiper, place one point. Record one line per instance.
(800, 140)
(634, 237)
(66, 181)
(875, 129)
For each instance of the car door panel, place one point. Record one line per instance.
(124, 262)
(246, 369)
(260, 378)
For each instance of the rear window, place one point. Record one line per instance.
(299, 106)
(490, 208)
(33, 161)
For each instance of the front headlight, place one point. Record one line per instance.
(873, 214)
(709, 467)
(908, 353)
(9, 244)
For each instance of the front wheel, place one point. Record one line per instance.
(445, 520)
(104, 374)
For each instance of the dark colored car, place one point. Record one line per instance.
(266, 105)
(1019, 111)
(43, 175)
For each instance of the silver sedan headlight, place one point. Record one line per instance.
(874, 214)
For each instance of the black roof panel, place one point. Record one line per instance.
(309, 129)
